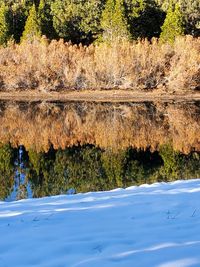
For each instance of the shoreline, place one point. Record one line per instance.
(98, 96)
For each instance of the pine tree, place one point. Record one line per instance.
(191, 13)
(33, 26)
(107, 17)
(77, 21)
(173, 24)
(144, 17)
(18, 11)
(5, 24)
(46, 19)
(113, 23)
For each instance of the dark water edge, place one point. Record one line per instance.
(28, 173)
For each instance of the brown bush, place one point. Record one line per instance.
(56, 65)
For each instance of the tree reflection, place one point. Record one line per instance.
(6, 170)
(89, 168)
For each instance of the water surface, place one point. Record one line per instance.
(52, 148)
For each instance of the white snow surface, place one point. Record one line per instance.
(145, 226)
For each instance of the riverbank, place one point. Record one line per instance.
(99, 96)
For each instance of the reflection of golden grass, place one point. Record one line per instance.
(106, 125)
(139, 65)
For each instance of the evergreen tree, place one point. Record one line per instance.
(191, 13)
(33, 26)
(18, 13)
(113, 22)
(46, 19)
(107, 19)
(173, 24)
(144, 17)
(91, 16)
(77, 21)
(18, 20)
(5, 24)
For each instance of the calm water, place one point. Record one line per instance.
(63, 148)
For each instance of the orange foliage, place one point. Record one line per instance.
(55, 65)
(107, 125)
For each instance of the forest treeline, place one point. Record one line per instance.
(86, 21)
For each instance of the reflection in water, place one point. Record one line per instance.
(89, 168)
(6, 170)
(21, 188)
(107, 125)
(54, 148)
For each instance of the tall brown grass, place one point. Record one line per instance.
(55, 65)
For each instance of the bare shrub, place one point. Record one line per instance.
(55, 65)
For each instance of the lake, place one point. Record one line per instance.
(50, 148)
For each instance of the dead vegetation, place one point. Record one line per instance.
(55, 66)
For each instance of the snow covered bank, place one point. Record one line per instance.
(156, 225)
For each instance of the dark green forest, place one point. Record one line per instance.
(88, 21)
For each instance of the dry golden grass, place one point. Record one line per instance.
(53, 66)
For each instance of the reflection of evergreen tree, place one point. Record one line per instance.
(190, 167)
(140, 167)
(113, 164)
(172, 162)
(6, 170)
(135, 173)
(87, 168)
(177, 165)
(41, 172)
(81, 168)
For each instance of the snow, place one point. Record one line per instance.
(145, 226)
